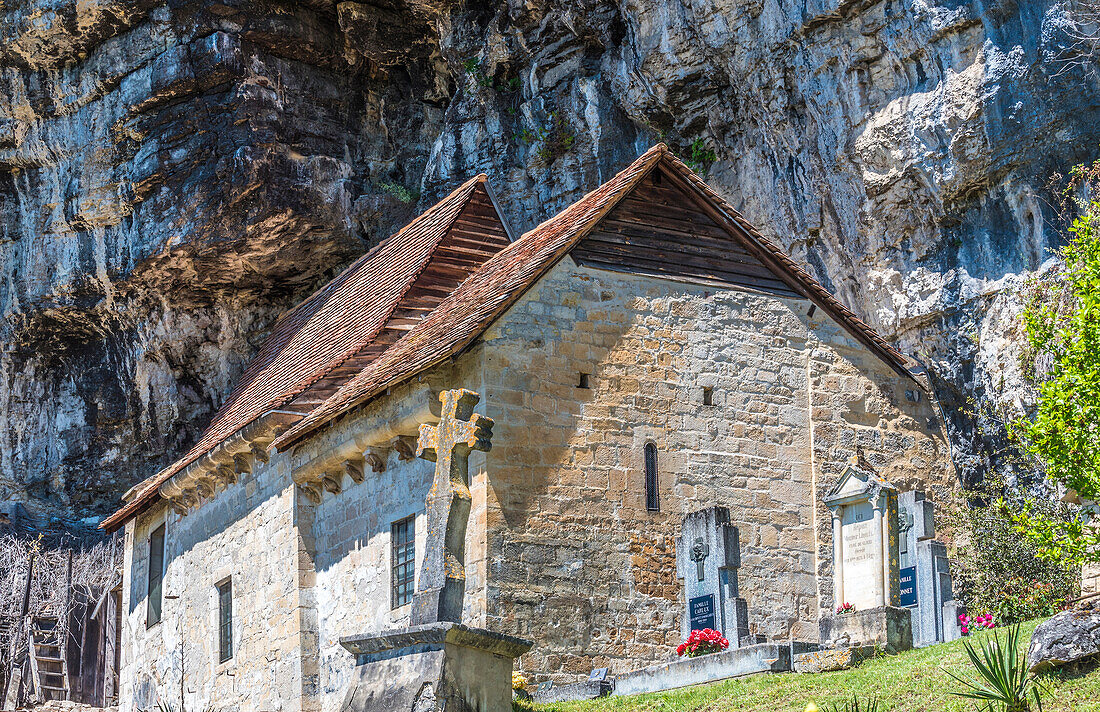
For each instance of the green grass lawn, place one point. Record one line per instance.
(914, 681)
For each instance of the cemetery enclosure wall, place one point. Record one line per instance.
(578, 564)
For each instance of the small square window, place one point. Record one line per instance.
(583, 381)
(403, 561)
(708, 396)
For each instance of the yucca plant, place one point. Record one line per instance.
(1004, 682)
(870, 704)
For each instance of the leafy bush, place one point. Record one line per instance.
(1062, 322)
(999, 572)
(700, 157)
(400, 192)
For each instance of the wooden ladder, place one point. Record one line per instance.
(49, 669)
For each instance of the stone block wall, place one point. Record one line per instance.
(245, 532)
(352, 533)
(577, 563)
(304, 575)
(560, 547)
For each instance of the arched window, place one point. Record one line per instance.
(652, 502)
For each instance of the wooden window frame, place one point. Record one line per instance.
(402, 561)
(224, 589)
(154, 590)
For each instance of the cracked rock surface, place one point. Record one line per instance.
(175, 174)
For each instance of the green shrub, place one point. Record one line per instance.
(998, 571)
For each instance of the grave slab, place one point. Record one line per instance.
(831, 659)
(735, 662)
(708, 554)
(925, 572)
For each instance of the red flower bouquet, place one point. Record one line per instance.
(845, 608)
(702, 642)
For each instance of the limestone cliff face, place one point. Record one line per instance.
(174, 174)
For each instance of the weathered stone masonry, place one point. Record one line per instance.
(561, 547)
(578, 562)
(752, 397)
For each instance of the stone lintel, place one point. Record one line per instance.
(434, 635)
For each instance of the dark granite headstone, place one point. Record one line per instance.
(707, 558)
(701, 611)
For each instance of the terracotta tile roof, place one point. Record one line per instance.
(344, 318)
(328, 328)
(487, 293)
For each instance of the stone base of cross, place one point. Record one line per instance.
(441, 587)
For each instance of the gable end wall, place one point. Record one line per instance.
(575, 560)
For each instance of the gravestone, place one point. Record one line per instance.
(865, 545)
(925, 573)
(707, 558)
(865, 561)
(437, 663)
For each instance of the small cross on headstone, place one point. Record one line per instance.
(442, 582)
(700, 550)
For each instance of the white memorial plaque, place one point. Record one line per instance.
(862, 556)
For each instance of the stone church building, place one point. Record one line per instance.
(644, 353)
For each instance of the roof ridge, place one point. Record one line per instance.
(574, 211)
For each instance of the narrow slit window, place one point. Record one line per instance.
(225, 620)
(155, 588)
(652, 502)
(708, 396)
(403, 561)
(583, 381)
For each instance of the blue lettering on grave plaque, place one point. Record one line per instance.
(701, 609)
(908, 578)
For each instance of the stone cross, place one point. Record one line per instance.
(708, 554)
(442, 583)
(700, 550)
